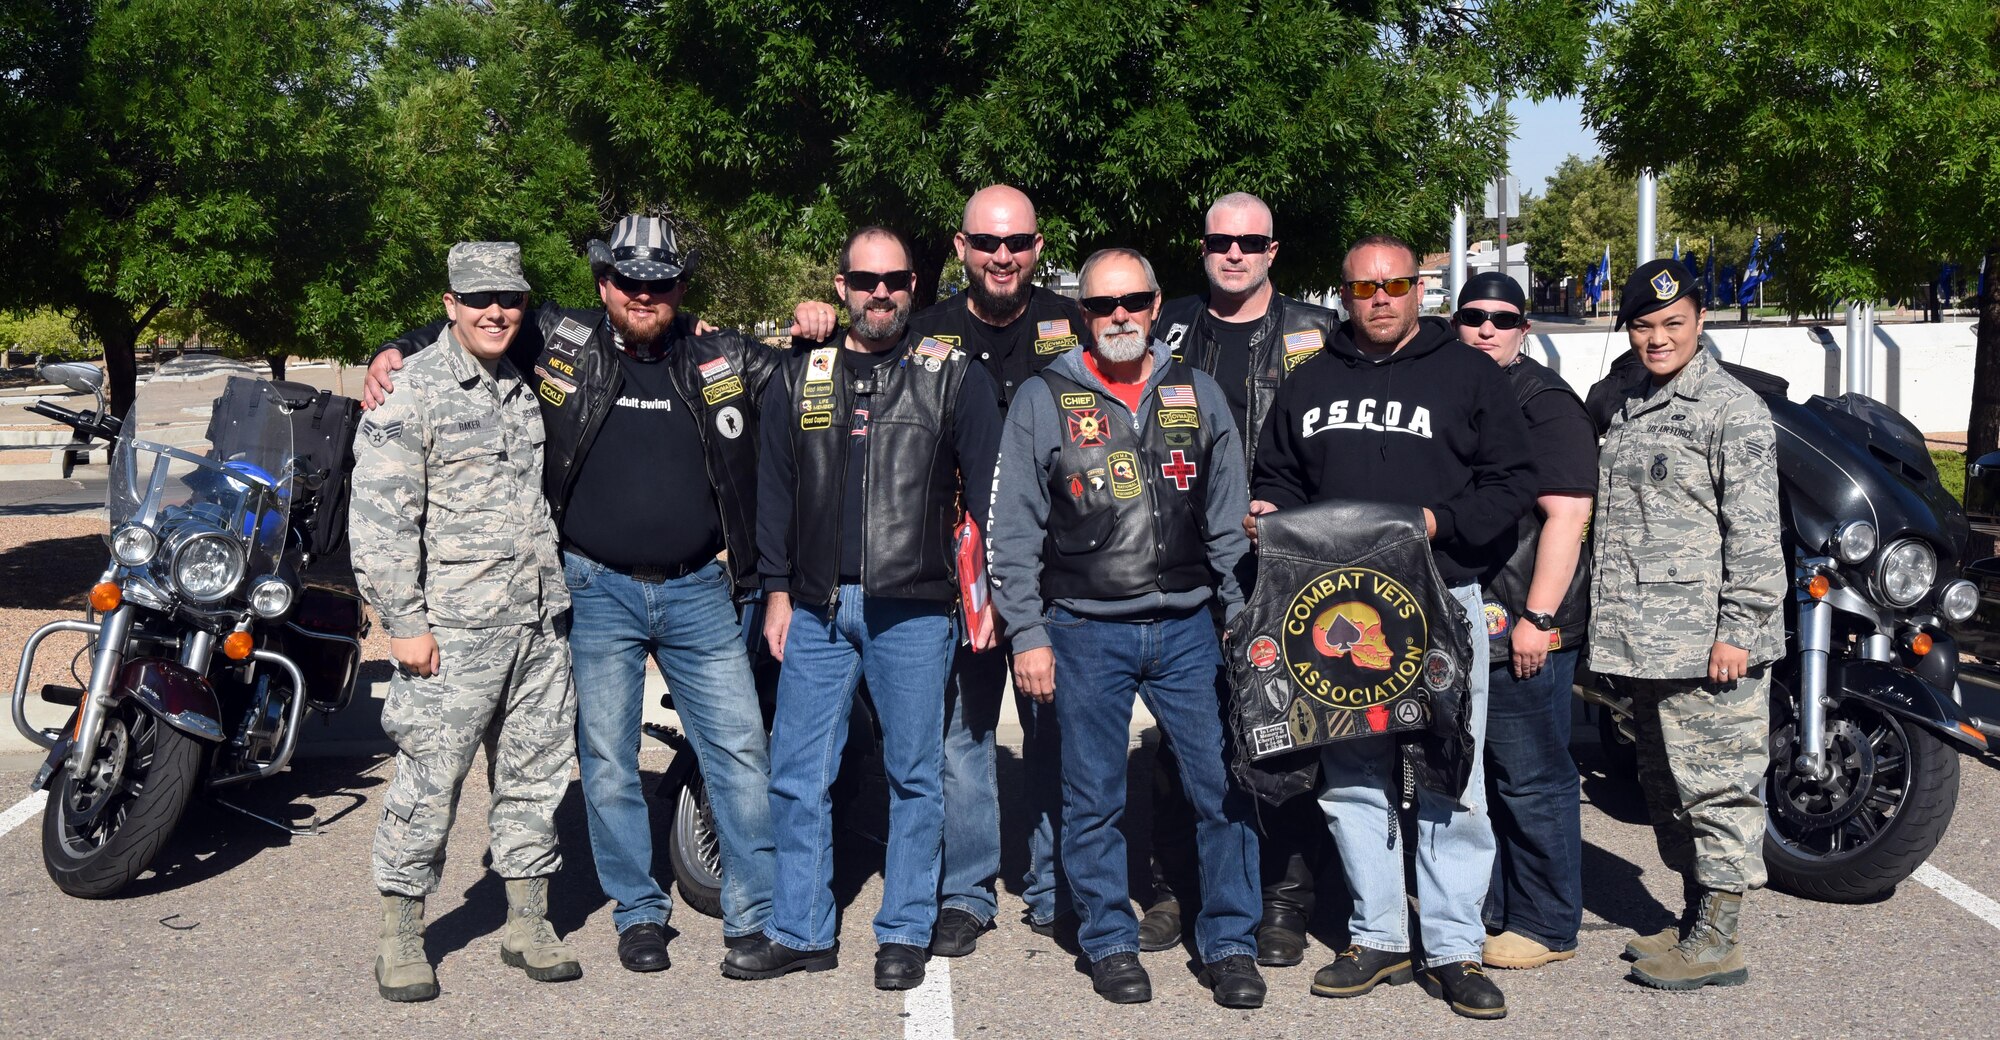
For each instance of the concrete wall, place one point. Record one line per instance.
(1923, 371)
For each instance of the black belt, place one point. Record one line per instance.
(655, 573)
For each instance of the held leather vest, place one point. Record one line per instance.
(1349, 632)
(1289, 333)
(1506, 594)
(910, 492)
(1125, 505)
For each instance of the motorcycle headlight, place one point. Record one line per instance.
(133, 545)
(1958, 600)
(207, 567)
(1854, 541)
(1908, 567)
(270, 596)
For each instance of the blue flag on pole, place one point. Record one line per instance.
(1753, 273)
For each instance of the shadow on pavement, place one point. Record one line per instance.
(51, 574)
(1616, 894)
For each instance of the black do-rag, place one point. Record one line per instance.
(1492, 285)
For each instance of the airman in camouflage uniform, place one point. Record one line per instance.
(454, 547)
(1686, 607)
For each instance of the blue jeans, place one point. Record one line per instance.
(1537, 888)
(971, 791)
(1175, 664)
(1045, 888)
(1454, 842)
(690, 628)
(904, 648)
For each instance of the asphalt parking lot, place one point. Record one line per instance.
(245, 932)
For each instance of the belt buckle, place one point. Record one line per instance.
(651, 574)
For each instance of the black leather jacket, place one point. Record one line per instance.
(1290, 332)
(1349, 632)
(568, 356)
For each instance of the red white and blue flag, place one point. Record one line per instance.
(1052, 329)
(1177, 397)
(931, 348)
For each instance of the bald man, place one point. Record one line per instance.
(1247, 336)
(1013, 328)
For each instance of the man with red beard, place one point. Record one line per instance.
(1013, 328)
(651, 473)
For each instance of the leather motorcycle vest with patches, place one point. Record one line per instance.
(1506, 593)
(910, 492)
(1290, 332)
(1126, 505)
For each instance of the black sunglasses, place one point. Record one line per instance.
(1133, 302)
(866, 281)
(644, 286)
(479, 301)
(1473, 317)
(1219, 243)
(1019, 243)
(1363, 288)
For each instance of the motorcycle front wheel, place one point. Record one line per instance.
(694, 850)
(1872, 821)
(100, 832)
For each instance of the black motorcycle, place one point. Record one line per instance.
(1865, 724)
(206, 644)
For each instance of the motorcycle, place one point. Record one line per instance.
(1866, 727)
(205, 647)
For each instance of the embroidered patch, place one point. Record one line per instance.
(1178, 438)
(1055, 344)
(819, 388)
(1170, 417)
(816, 420)
(1049, 329)
(722, 391)
(1075, 482)
(1303, 342)
(1409, 713)
(931, 348)
(1177, 396)
(547, 376)
(382, 433)
(558, 364)
(552, 393)
(1265, 740)
(1095, 477)
(819, 364)
(1086, 428)
(729, 422)
(1079, 400)
(1124, 474)
(716, 369)
(1556, 640)
(1496, 619)
(572, 331)
(1180, 470)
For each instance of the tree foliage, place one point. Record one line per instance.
(1589, 206)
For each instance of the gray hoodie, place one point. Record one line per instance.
(1015, 531)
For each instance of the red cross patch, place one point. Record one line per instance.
(1179, 470)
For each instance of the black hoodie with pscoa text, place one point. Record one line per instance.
(1434, 424)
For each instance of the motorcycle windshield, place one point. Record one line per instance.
(207, 446)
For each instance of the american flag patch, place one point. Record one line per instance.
(1303, 342)
(1177, 397)
(714, 370)
(1052, 329)
(573, 332)
(931, 348)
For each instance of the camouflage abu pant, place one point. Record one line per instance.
(1702, 750)
(507, 688)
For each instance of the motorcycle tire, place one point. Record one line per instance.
(152, 788)
(694, 850)
(1898, 848)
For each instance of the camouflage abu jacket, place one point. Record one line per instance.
(1686, 527)
(448, 522)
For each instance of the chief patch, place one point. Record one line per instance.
(722, 391)
(1124, 474)
(1079, 400)
(382, 433)
(1496, 619)
(1171, 417)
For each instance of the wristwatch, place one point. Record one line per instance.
(1545, 622)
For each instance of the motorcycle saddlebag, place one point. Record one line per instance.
(323, 428)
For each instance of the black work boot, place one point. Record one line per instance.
(1358, 970)
(1121, 979)
(957, 933)
(764, 959)
(899, 966)
(1281, 935)
(1235, 982)
(1465, 986)
(1160, 929)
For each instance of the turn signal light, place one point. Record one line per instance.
(237, 645)
(105, 596)
(1818, 587)
(1969, 730)
(1920, 644)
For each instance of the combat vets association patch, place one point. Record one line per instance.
(1124, 474)
(722, 391)
(382, 433)
(1355, 639)
(1664, 286)
(1086, 427)
(1496, 619)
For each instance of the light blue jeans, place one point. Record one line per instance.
(1454, 843)
(690, 628)
(904, 647)
(971, 791)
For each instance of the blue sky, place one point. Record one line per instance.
(1544, 135)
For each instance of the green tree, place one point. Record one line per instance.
(1870, 131)
(798, 119)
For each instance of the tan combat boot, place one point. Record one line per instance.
(1709, 956)
(402, 972)
(1663, 940)
(530, 942)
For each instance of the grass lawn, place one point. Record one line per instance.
(1951, 470)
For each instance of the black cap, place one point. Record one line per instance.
(1656, 284)
(1492, 285)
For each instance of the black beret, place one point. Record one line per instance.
(1492, 285)
(1656, 284)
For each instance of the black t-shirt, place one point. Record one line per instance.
(642, 496)
(1051, 325)
(860, 365)
(1232, 363)
(1564, 443)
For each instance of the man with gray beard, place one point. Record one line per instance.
(1110, 535)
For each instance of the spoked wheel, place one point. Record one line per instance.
(1883, 806)
(694, 849)
(101, 831)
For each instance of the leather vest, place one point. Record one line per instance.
(910, 492)
(1058, 324)
(1506, 593)
(1349, 632)
(1289, 333)
(1126, 505)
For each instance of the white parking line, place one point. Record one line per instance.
(1959, 892)
(22, 811)
(927, 1010)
